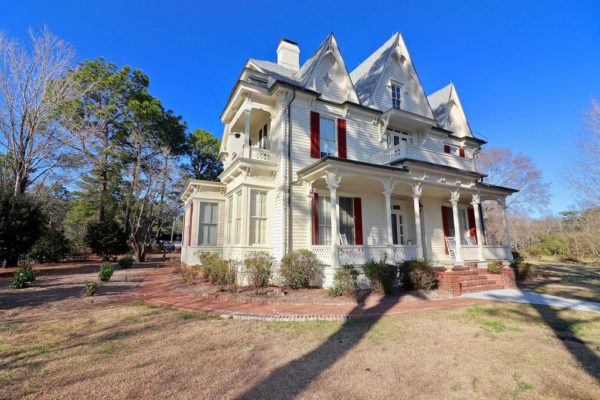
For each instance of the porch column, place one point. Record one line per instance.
(417, 191)
(333, 182)
(507, 243)
(388, 189)
(246, 151)
(475, 203)
(457, 239)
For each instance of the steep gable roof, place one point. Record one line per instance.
(448, 111)
(324, 72)
(390, 62)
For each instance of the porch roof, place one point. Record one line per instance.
(341, 163)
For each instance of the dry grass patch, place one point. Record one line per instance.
(117, 351)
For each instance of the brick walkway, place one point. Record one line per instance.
(157, 289)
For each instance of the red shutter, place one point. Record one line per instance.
(315, 135)
(472, 228)
(190, 225)
(315, 219)
(358, 231)
(446, 226)
(341, 125)
(461, 152)
(447, 148)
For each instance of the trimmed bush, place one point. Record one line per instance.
(299, 268)
(383, 276)
(23, 276)
(51, 247)
(126, 262)
(494, 267)
(106, 271)
(418, 275)
(90, 288)
(524, 271)
(344, 281)
(258, 266)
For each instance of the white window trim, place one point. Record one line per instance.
(201, 223)
(264, 218)
(335, 134)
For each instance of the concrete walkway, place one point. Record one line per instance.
(529, 297)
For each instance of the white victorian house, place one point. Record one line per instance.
(353, 166)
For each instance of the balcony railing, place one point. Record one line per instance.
(254, 153)
(405, 150)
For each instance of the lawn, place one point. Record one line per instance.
(141, 351)
(577, 281)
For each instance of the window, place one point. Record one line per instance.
(347, 218)
(230, 220)
(263, 138)
(327, 133)
(396, 95)
(258, 217)
(237, 221)
(208, 224)
(396, 137)
(324, 212)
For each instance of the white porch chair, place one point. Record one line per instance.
(451, 244)
(343, 239)
(471, 241)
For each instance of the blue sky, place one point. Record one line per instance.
(525, 71)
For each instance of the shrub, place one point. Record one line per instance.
(90, 288)
(23, 276)
(523, 271)
(299, 268)
(418, 275)
(258, 266)
(21, 224)
(553, 244)
(344, 281)
(191, 274)
(106, 238)
(517, 255)
(218, 271)
(382, 275)
(535, 251)
(494, 267)
(106, 271)
(126, 262)
(51, 247)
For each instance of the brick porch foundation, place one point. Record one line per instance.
(470, 279)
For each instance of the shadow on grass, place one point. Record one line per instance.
(290, 380)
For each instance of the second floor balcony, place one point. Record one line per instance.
(405, 151)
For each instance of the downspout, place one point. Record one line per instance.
(288, 245)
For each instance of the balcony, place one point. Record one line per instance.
(408, 151)
(254, 153)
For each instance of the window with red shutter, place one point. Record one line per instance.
(461, 152)
(341, 128)
(446, 226)
(472, 226)
(190, 224)
(447, 148)
(315, 137)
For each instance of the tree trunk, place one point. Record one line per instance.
(103, 173)
(139, 250)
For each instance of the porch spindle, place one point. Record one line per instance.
(475, 203)
(457, 239)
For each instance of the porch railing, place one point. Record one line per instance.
(358, 255)
(471, 252)
(404, 150)
(256, 153)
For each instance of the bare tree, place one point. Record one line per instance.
(517, 171)
(586, 176)
(31, 92)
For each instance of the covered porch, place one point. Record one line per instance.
(393, 213)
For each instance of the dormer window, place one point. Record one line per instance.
(454, 150)
(396, 95)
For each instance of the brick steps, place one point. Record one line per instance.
(470, 279)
